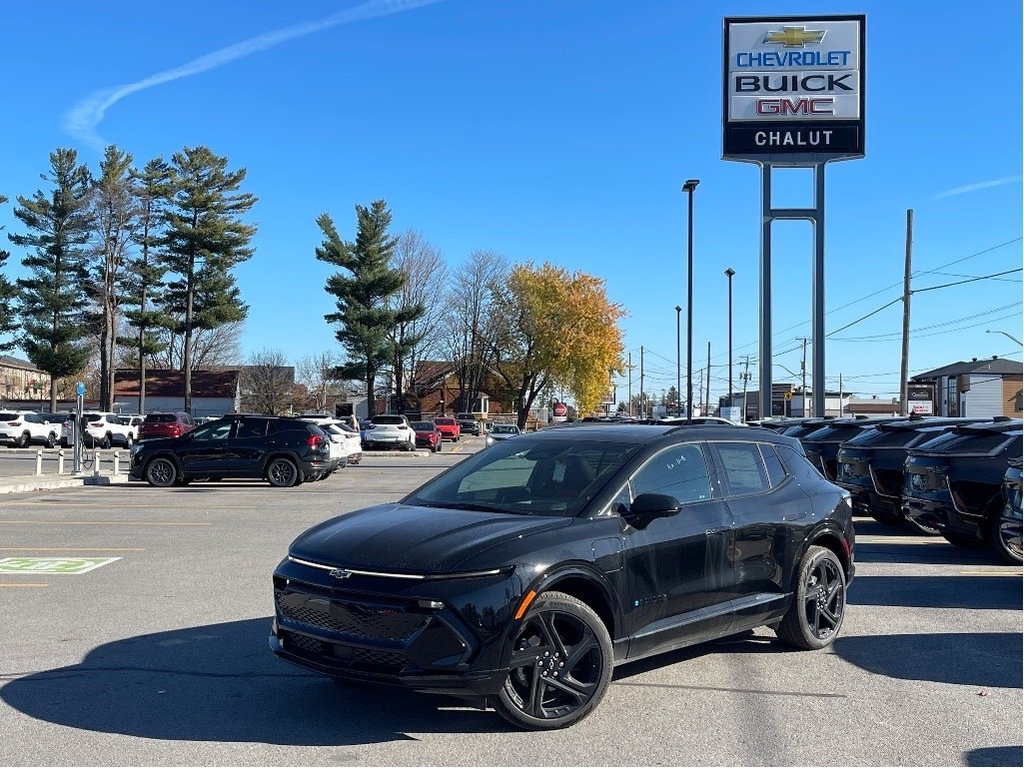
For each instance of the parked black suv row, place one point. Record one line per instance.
(954, 483)
(283, 451)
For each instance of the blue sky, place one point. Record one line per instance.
(561, 131)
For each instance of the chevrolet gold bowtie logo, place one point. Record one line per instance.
(795, 37)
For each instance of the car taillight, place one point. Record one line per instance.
(314, 441)
(176, 431)
(14, 423)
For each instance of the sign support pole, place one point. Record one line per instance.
(816, 216)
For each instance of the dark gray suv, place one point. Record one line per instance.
(282, 451)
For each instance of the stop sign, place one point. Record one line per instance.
(560, 409)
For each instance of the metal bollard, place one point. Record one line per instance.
(60, 462)
(39, 462)
(96, 463)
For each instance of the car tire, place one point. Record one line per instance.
(437, 448)
(128, 442)
(105, 442)
(560, 667)
(51, 440)
(23, 440)
(161, 472)
(1000, 543)
(819, 602)
(282, 473)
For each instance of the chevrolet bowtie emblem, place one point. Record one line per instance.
(795, 37)
(340, 573)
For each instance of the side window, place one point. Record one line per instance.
(249, 428)
(744, 469)
(212, 432)
(680, 471)
(776, 472)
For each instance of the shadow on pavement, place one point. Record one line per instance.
(985, 659)
(976, 592)
(222, 683)
(995, 756)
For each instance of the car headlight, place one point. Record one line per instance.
(489, 440)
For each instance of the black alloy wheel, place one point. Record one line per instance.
(814, 618)
(161, 472)
(561, 665)
(1006, 544)
(282, 473)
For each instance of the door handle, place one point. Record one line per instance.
(712, 531)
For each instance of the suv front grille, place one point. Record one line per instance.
(358, 620)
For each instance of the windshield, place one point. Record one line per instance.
(528, 476)
(504, 429)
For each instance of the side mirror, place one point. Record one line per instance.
(650, 506)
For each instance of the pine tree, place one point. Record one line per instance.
(204, 240)
(53, 298)
(145, 271)
(367, 324)
(8, 294)
(115, 216)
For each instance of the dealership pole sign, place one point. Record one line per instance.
(793, 89)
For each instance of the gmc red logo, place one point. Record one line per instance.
(824, 105)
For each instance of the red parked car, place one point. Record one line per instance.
(449, 428)
(166, 425)
(427, 435)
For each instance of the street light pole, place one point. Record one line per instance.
(729, 272)
(679, 395)
(689, 186)
(991, 331)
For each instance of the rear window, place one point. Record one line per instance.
(968, 441)
(833, 434)
(161, 418)
(8, 416)
(887, 438)
(422, 426)
(389, 420)
(447, 422)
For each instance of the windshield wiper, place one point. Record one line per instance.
(470, 506)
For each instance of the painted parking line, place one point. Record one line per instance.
(23, 586)
(72, 549)
(101, 522)
(67, 566)
(992, 573)
(901, 540)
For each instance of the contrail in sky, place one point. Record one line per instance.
(976, 187)
(83, 118)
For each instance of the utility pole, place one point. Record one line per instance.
(803, 375)
(641, 402)
(905, 356)
(700, 388)
(629, 388)
(745, 377)
(707, 392)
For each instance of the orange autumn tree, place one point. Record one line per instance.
(555, 329)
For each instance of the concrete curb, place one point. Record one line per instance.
(43, 483)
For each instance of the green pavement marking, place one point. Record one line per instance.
(53, 565)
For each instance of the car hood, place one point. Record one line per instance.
(403, 538)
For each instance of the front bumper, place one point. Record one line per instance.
(440, 636)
